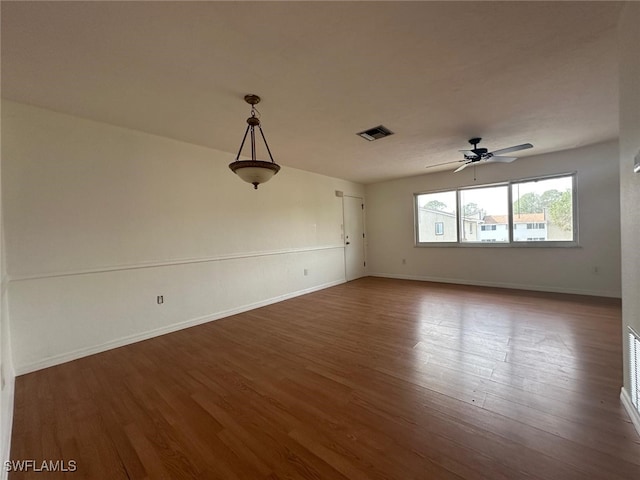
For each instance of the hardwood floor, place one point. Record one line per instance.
(374, 379)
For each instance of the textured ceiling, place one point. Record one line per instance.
(435, 73)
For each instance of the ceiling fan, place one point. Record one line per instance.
(477, 154)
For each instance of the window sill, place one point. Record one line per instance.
(499, 245)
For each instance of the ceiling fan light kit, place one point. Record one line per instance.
(254, 171)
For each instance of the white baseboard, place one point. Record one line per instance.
(634, 415)
(537, 288)
(84, 352)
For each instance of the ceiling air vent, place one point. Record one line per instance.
(375, 133)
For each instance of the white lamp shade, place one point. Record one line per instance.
(254, 171)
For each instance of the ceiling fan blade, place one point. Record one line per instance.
(462, 167)
(516, 148)
(445, 163)
(501, 159)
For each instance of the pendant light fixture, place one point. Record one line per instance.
(254, 171)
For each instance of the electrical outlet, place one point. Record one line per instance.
(306, 272)
(160, 299)
(404, 261)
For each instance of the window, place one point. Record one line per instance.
(488, 205)
(546, 206)
(436, 217)
(539, 211)
(536, 226)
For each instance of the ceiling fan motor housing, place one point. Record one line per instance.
(476, 153)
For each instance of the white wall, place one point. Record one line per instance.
(390, 228)
(99, 220)
(7, 375)
(630, 182)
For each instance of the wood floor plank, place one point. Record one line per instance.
(376, 379)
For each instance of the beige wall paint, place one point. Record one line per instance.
(7, 375)
(390, 230)
(629, 181)
(100, 220)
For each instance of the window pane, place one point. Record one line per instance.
(437, 220)
(485, 214)
(543, 210)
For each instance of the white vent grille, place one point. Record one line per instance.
(634, 367)
(375, 133)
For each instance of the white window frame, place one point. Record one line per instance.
(574, 243)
